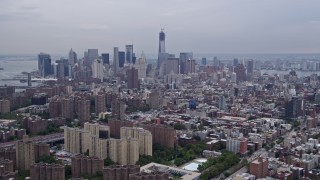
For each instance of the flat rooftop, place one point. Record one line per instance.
(186, 175)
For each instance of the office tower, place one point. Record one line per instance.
(144, 137)
(122, 58)
(132, 78)
(259, 168)
(240, 70)
(119, 172)
(82, 106)
(204, 61)
(250, 67)
(92, 55)
(184, 57)
(124, 151)
(294, 107)
(129, 53)
(118, 109)
(97, 69)
(105, 58)
(43, 171)
(191, 66)
(115, 60)
(141, 65)
(172, 65)
(235, 62)
(162, 49)
(85, 165)
(100, 102)
(233, 77)
(216, 62)
(76, 140)
(72, 57)
(115, 126)
(4, 106)
(24, 154)
(44, 64)
(222, 102)
(163, 135)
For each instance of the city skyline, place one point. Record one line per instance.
(201, 27)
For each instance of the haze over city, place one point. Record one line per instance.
(246, 26)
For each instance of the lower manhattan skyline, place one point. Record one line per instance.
(28, 27)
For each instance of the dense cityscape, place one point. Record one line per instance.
(120, 117)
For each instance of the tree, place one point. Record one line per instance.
(109, 162)
(179, 126)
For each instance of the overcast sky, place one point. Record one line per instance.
(200, 26)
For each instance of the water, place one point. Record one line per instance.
(15, 65)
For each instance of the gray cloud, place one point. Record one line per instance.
(204, 26)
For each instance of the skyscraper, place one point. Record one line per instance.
(129, 53)
(204, 61)
(115, 59)
(105, 58)
(184, 57)
(72, 57)
(162, 49)
(44, 64)
(100, 103)
(92, 55)
(133, 81)
(250, 67)
(97, 69)
(122, 58)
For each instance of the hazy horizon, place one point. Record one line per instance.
(202, 27)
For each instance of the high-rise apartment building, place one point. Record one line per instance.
(85, 165)
(129, 53)
(238, 145)
(44, 64)
(43, 171)
(92, 55)
(124, 151)
(115, 126)
(82, 105)
(119, 172)
(144, 137)
(100, 102)
(4, 106)
(259, 168)
(67, 107)
(118, 109)
(163, 135)
(76, 140)
(24, 154)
